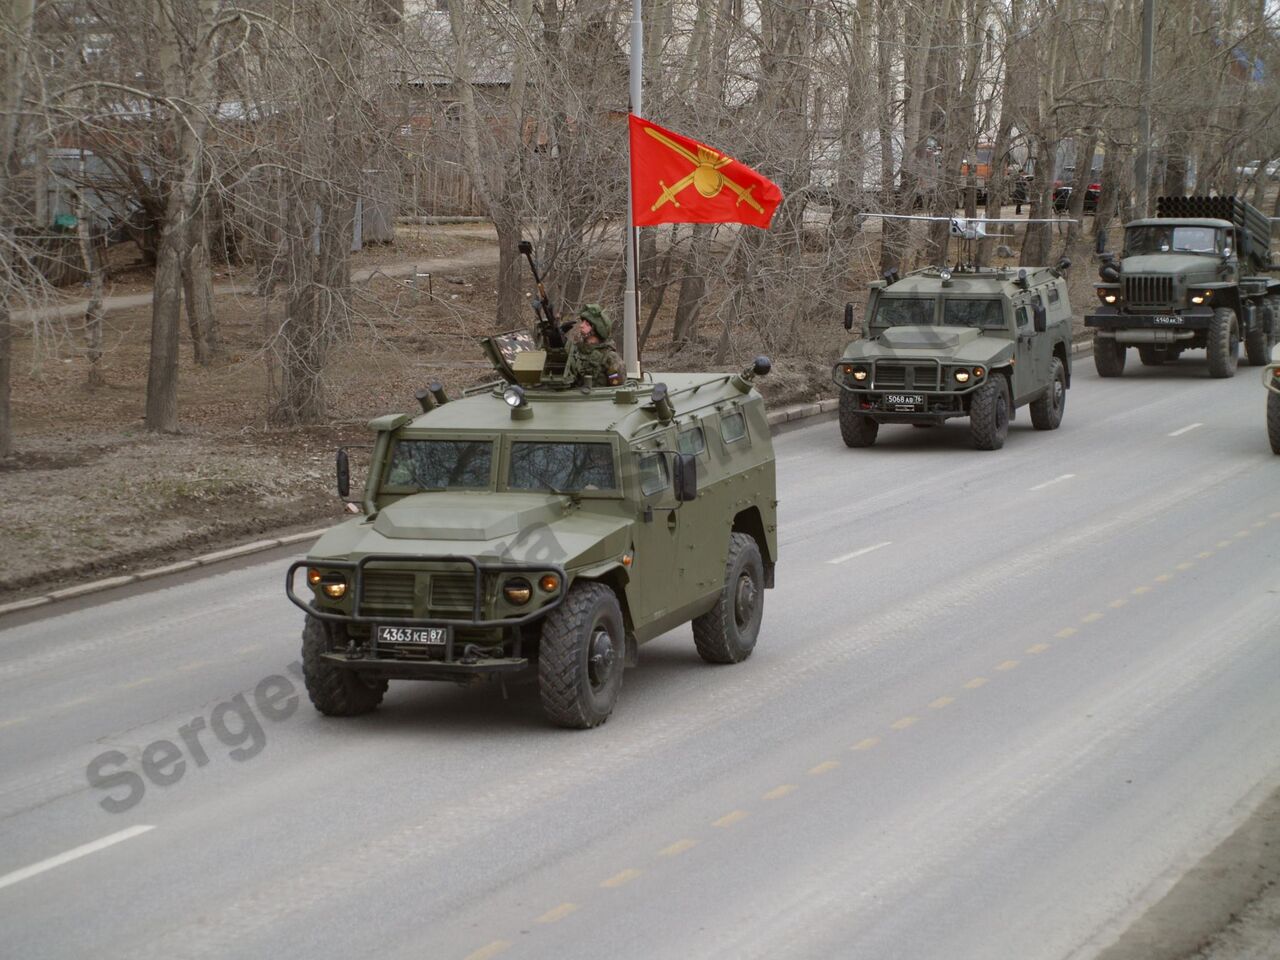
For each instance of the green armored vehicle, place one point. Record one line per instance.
(941, 343)
(1190, 278)
(1271, 377)
(546, 525)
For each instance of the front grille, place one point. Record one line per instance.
(387, 594)
(907, 376)
(453, 591)
(1148, 291)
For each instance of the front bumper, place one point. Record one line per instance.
(874, 401)
(465, 669)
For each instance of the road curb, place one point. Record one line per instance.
(776, 418)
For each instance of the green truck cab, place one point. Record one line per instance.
(941, 343)
(1191, 278)
(537, 525)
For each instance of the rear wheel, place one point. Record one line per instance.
(857, 430)
(336, 692)
(1046, 413)
(727, 632)
(1108, 356)
(1273, 421)
(580, 657)
(989, 415)
(1223, 343)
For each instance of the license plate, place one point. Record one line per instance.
(904, 401)
(1167, 319)
(432, 636)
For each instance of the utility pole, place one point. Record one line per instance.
(631, 301)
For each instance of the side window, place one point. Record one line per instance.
(653, 473)
(692, 441)
(733, 427)
(1053, 294)
(1024, 316)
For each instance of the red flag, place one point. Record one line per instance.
(678, 180)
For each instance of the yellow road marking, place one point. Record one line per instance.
(1118, 603)
(866, 744)
(492, 950)
(250, 648)
(1204, 554)
(942, 702)
(1007, 665)
(903, 723)
(729, 819)
(1139, 591)
(975, 683)
(1038, 648)
(777, 793)
(12, 722)
(1066, 632)
(826, 766)
(1222, 543)
(76, 702)
(196, 665)
(677, 848)
(138, 683)
(1260, 523)
(618, 879)
(1164, 578)
(1241, 534)
(1092, 617)
(1184, 566)
(557, 913)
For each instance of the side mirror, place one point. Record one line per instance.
(686, 477)
(1109, 272)
(848, 316)
(1039, 318)
(344, 475)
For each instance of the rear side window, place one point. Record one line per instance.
(653, 473)
(1053, 294)
(733, 427)
(692, 441)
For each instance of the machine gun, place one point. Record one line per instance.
(548, 330)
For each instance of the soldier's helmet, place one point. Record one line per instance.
(599, 320)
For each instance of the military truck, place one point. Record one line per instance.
(1271, 378)
(1193, 277)
(541, 525)
(942, 343)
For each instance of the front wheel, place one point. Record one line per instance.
(334, 691)
(1108, 356)
(1224, 343)
(727, 632)
(1046, 413)
(989, 415)
(1273, 421)
(580, 657)
(856, 429)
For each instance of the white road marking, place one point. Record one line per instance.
(859, 553)
(1050, 483)
(9, 879)
(1188, 429)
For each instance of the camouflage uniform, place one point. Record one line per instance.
(599, 361)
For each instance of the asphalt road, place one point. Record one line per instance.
(1001, 703)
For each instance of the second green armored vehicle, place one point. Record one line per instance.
(941, 343)
(549, 525)
(1194, 277)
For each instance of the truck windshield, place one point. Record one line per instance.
(986, 314)
(904, 311)
(562, 467)
(1171, 239)
(441, 464)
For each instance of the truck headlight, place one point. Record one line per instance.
(1106, 296)
(857, 371)
(334, 586)
(962, 376)
(517, 591)
(1200, 296)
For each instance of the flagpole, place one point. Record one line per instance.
(631, 303)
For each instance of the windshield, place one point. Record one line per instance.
(1161, 239)
(441, 464)
(903, 311)
(563, 467)
(986, 314)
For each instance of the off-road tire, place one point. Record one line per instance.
(727, 632)
(1223, 346)
(856, 430)
(335, 692)
(1046, 413)
(1259, 341)
(578, 690)
(989, 414)
(1150, 356)
(1108, 356)
(1273, 421)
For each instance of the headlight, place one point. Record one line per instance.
(962, 376)
(517, 591)
(1105, 295)
(334, 586)
(858, 372)
(1201, 296)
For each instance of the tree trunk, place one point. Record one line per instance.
(197, 281)
(93, 310)
(166, 308)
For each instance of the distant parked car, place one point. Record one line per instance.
(1062, 196)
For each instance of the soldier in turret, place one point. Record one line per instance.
(595, 355)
